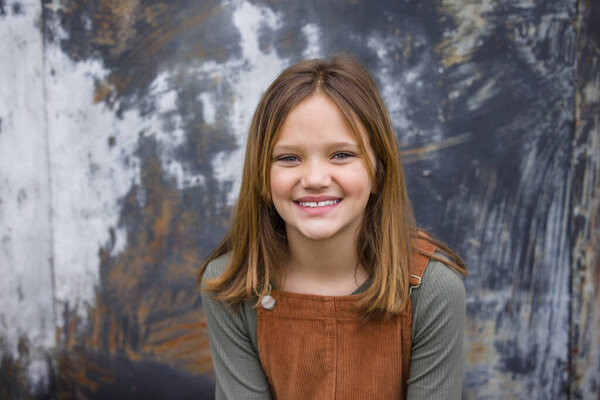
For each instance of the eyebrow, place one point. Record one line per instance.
(286, 147)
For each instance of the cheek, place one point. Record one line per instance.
(279, 183)
(358, 181)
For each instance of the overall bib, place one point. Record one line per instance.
(316, 347)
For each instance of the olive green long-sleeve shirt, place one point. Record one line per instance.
(438, 309)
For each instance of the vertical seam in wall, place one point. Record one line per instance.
(48, 163)
(571, 359)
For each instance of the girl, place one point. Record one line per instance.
(324, 288)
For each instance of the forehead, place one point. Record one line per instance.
(317, 119)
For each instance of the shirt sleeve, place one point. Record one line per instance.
(239, 374)
(439, 306)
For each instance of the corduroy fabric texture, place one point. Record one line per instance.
(317, 347)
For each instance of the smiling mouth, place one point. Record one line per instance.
(314, 204)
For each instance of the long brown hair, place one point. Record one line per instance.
(386, 240)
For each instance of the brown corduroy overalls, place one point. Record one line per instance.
(316, 347)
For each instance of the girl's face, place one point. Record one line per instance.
(319, 181)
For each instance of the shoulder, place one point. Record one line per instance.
(211, 304)
(224, 320)
(441, 294)
(443, 280)
(214, 269)
(217, 266)
(438, 326)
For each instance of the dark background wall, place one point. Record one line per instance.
(122, 127)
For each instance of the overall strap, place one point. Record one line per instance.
(419, 262)
(417, 269)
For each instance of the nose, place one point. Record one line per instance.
(315, 175)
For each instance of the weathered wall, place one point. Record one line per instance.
(122, 125)
(584, 221)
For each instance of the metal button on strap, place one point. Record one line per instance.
(411, 287)
(268, 302)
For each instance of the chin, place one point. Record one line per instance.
(318, 234)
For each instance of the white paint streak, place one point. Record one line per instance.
(170, 137)
(25, 231)
(249, 81)
(485, 92)
(208, 108)
(166, 101)
(164, 92)
(312, 34)
(592, 92)
(89, 177)
(394, 87)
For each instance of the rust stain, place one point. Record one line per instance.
(95, 337)
(479, 344)
(160, 37)
(161, 231)
(102, 92)
(475, 353)
(80, 377)
(147, 308)
(112, 336)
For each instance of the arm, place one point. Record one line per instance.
(437, 335)
(238, 372)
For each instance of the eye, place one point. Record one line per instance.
(342, 155)
(286, 158)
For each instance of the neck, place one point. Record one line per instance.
(328, 266)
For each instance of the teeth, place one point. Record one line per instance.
(319, 204)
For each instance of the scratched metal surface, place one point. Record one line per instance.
(122, 125)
